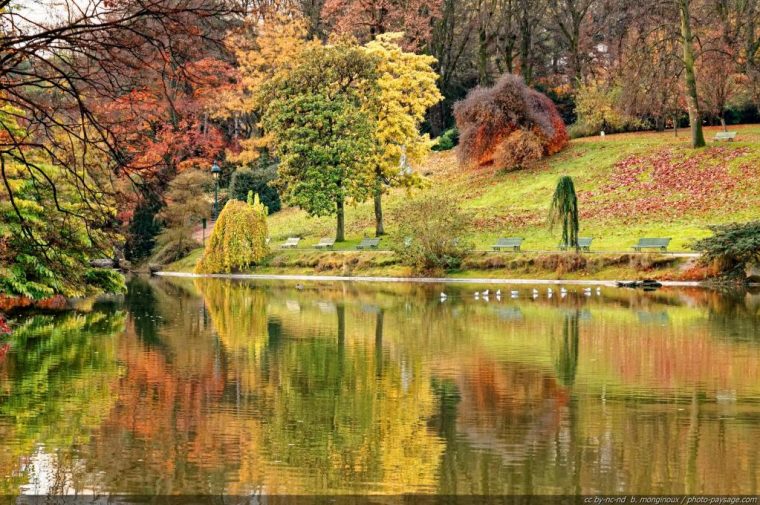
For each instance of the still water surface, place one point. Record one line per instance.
(212, 386)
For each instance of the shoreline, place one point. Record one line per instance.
(418, 280)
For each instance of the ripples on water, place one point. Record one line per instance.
(216, 386)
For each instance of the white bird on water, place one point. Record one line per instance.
(515, 294)
(486, 292)
(443, 296)
(498, 292)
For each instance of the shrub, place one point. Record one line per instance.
(257, 180)
(732, 247)
(580, 129)
(488, 117)
(238, 240)
(448, 140)
(432, 227)
(519, 149)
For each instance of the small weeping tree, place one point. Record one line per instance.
(564, 209)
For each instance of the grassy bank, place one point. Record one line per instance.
(629, 186)
(483, 265)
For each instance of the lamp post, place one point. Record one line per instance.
(216, 172)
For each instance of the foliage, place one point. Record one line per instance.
(366, 20)
(105, 279)
(238, 240)
(564, 209)
(258, 180)
(48, 233)
(185, 209)
(407, 89)
(435, 227)
(597, 109)
(323, 134)
(519, 149)
(732, 246)
(488, 117)
(447, 141)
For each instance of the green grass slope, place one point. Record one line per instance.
(629, 185)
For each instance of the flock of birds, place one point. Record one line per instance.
(535, 293)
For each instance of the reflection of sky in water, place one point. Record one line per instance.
(212, 386)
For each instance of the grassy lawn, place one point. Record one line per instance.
(630, 185)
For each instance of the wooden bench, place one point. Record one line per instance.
(584, 244)
(652, 243)
(513, 243)
(729, 136)
(291, 243)
(326, 243)
(369, 243)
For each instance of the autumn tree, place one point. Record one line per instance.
(366, 19)
(407, 89)
(185, 209)
(321, 129)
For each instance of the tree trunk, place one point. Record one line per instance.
(692, 100)
(483, 58)
(723, 122)
(340, 234)
(379, 227)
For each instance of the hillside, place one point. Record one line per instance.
(629, 186)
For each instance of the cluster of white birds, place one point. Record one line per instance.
(535, 293)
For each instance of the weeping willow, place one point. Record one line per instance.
(564, 209)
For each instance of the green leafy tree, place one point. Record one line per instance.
(564, 209)
(322, 131)
(238, 240)
(48, 232)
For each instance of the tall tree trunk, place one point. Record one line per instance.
(483, 57)
(379, 227)
(340, 234)
(692, 100)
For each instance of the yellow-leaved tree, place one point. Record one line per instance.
(407, 89)
(261, 50)
(238, 240)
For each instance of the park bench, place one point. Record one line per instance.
(513, 243)
(730, 136)
(326, 243)
(652, 243)
(369, 243)
(291, 243)
(584, 244)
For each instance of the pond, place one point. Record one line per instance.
(216, 386)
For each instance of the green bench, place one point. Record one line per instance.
(513, 243)
(584, 244)
(326, 243)
(369, 243)
(729, 136)
(652, 243)
(291, 243)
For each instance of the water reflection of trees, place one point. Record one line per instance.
(57, 384)
(231, 387)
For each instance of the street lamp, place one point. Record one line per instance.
(216, 172)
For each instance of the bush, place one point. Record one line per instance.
(245, 180)
(579, 129)
(238, 240)
(431, 233)
(488, 117)
(448, 140)
(519, 149)
(732, 247)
